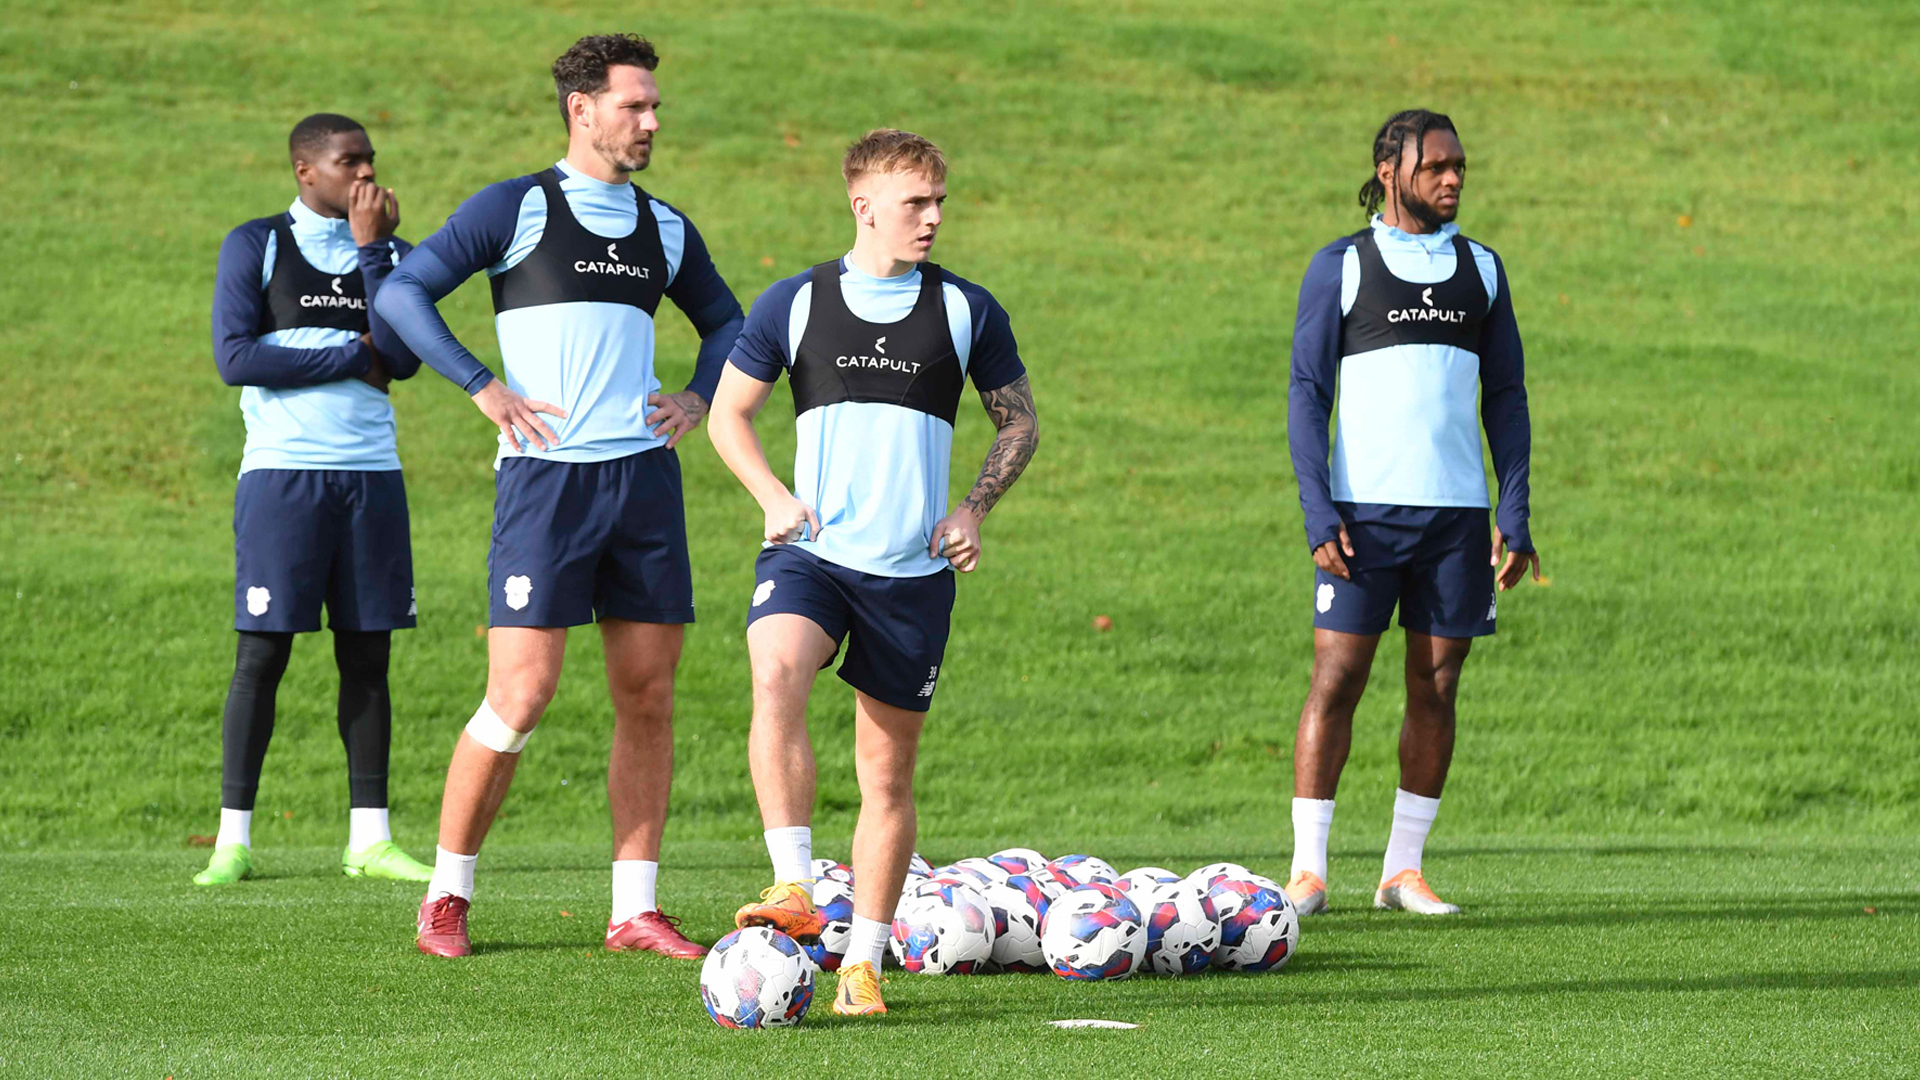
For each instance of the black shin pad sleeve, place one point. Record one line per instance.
(247, 725)
(366, 712)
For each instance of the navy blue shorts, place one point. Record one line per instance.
(577, 541)
(307, 537)
(897, 625)
(1430, 561)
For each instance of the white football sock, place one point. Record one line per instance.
(791, 849)
(1312, 821)
(1412, 817)
(634, 881)
(366, 826)
(867, 942)
(236, 827)
(452, 874)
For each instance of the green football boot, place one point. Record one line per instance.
(230, 863)
(384, 860)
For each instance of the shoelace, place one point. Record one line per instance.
(672, 922)
(446, 916)
(864, 990)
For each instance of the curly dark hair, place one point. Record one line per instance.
(582, 69)
(1410, 125)
(310, 135)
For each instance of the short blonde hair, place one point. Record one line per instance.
(887, 150)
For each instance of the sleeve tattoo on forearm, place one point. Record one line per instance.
(1011, 408)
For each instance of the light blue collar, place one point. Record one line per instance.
(1433, 241)
(861, 277)
(587, 182)
(306, 222)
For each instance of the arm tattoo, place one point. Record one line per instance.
(1011, 408)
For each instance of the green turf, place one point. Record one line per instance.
(1702, 208)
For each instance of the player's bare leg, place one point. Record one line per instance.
(1426, 735)
(1426, 752)
(641, 660)
(523, 670)
(787, 652)
(886, 743)
(1341, 664)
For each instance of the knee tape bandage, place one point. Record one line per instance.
(490, 731)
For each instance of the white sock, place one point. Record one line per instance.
(633, 888)
(1312, 821)
(452, 874)
(1412, 817)
(366, 826)
(791, 849)
(866, 943)
(236, 827)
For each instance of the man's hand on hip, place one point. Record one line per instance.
(674, 415)
(516, 416)
(789, 519)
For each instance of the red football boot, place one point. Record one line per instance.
(442, 929)
(655, 932)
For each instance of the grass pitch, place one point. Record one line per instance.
(1686, 767)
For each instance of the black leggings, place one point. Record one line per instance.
(366, 713)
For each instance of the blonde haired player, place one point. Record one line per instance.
(877, 345)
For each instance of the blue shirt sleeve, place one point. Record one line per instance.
(1503, 410)
(994, 361)
(762, 349)
(474, 238)
(702, 295)
(376, 265)
(1316, 366)
(239, 354)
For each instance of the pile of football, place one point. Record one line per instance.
(1016, 910)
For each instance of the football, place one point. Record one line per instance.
(1144, 875)
(1259, 927)
(1182, 929)
(756, 978)
(1017, 860)
(828, 870)
(942, 928)
(1016, 928)
(986, 871)
(1093, 932)
(834, 900)
(1036, 893)
(1075, 870)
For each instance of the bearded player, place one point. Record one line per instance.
(861, 551)
(589, 526)
(1414, 323)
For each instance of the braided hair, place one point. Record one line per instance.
(1408, 124)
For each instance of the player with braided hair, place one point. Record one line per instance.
(1415, 323)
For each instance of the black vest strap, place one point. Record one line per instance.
(910, 363)
(572, 265)
(1390, 311)
(298, 295)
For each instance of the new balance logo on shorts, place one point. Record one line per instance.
(933, 676)
(1492, 604)
(761, 592)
